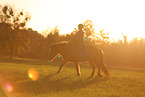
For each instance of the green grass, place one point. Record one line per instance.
(123, 82)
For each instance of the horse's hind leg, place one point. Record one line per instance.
(61, 66)
(77, 69)
(99, 70)
(94, 68)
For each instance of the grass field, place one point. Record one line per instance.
(14, 80)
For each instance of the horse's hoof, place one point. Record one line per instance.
(99, 75)
(90, 77)
(57, 72)
(78, 74)
(108, 75)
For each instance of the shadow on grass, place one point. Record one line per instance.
(47, 85)
(39, 62)
(24, 61)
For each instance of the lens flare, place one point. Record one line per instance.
(49, 61)
(59, 56)
(33, 74)
(85, 39)
(9, 87)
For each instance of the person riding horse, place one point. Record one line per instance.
(78, 41)
(77, 51)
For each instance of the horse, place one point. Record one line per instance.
(91, 54)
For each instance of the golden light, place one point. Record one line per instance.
(67, 14)
(33, 74)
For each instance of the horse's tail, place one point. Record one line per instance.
(104, 68)
(102, 65)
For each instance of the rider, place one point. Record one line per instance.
(78, 39)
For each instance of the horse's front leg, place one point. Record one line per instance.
(77, 66)
(61, 66)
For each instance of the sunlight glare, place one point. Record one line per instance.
(67, 14)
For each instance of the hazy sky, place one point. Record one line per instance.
(116, 16)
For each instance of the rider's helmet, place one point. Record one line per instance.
(80, 26)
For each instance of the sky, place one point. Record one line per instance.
(115, 16)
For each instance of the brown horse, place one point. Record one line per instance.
(91, 54)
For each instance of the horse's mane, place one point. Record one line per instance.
(64, 42)
(59, 43)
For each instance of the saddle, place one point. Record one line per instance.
(80, 50)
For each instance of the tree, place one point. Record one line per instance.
(15, 21)
(53, 36)
(4, 37)
(91, 35)
(36, 44)
(88, 28)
